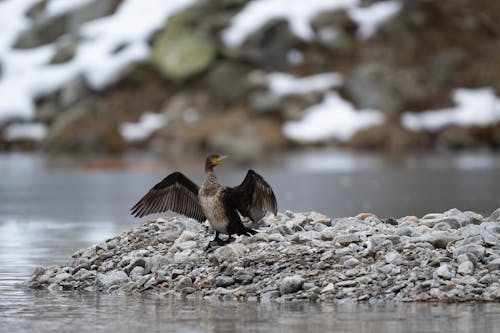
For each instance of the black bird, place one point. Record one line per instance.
(213, 201)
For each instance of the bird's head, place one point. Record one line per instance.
(213, 160)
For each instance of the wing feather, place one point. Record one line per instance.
(175, 193)
(254, 197)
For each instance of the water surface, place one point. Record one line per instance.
(50, 207)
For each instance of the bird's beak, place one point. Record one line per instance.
(220, 158)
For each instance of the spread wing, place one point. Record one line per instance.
(253, 197)
(175, 193)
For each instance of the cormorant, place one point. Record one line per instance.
(213, 201)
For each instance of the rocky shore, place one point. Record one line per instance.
(448, 257)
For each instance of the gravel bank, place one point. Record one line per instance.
(453, 256)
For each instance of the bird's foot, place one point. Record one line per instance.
(219, 242)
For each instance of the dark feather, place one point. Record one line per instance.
(175, 193)
(253, 197)
(235, 225)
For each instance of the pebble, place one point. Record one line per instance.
(450, 256)
(290, 284)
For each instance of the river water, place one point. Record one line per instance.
(50, 207)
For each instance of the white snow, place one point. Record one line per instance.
(371, 17)
(33, 131)
(474, 107)
(333, 118)
(285, 84)
(299, 14)
(148, 123)
(27, 75)
(59, 7)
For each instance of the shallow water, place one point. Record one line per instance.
(51, 207)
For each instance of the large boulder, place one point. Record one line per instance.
(180, 52)
(268, 47)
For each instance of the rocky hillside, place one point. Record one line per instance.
(249, 76)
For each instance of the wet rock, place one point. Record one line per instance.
(290, 284)
(110, 279)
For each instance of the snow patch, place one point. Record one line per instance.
(299, 14)
(334, 118)
(479, 107)
(60, 7)
(27, 74)
(285, 84)
(33, 131)
(148, 123)
(371, 17)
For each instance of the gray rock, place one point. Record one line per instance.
(476, 250)
(393, 258)
(351, 263)
(328, 233)
(377, 85)
(230, 252)
(404, 231)
(494, 265)
(184, 282)
(136, 273)
(346, 239)
(290, 284)
(180, 52)
(465, 268)
(111, 278)
(61, 277)
(495, 216)
(443, 272)
(223, 281)
(186, 245)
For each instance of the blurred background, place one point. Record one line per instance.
(344, 106)
(181, 77)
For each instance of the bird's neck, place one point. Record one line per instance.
(210, 176)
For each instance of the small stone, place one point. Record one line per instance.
(223, 281)
(61, 277)
(112, 278)
(290, 284)
(443, 272)
(351, 263)
(494, 265)
(184, 282)
(346, 239)
(465, 268)
(186, 245)
(476, 250)
(364, 216)
(329, 288)
(136, 273)
(404, 231)
(393, 258)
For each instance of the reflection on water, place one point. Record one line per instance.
(50, 209)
